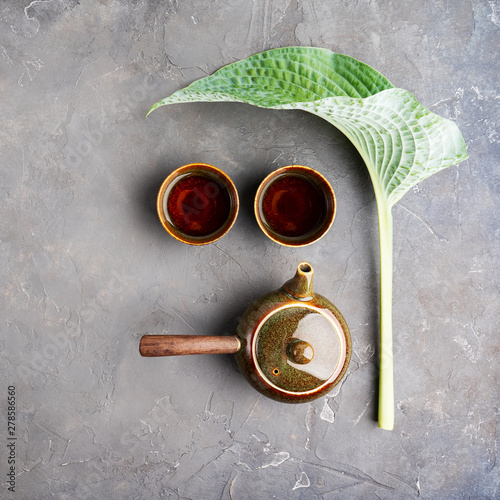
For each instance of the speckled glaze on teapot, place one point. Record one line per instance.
(292, 345)
(295, 344)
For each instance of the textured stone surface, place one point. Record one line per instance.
(87, 268)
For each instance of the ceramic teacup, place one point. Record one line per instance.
(197, 204)
(295, 206)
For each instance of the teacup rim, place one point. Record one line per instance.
(307, 172)
(233, 213)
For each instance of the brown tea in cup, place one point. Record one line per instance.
(197, 204)
(295, 205)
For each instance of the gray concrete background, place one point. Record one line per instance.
(87, 268)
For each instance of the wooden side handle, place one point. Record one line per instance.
(177, 345)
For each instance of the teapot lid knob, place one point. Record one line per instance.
(300, 351)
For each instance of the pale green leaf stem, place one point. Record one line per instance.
(400, 141)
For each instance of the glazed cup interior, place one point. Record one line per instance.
(295, 206)
(197, 204)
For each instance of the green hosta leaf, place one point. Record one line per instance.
(400, 140)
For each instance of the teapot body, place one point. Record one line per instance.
(295, 344)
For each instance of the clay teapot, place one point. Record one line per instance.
(292, 345)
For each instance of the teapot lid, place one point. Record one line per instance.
(300, 349)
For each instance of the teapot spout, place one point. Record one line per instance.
(301, 285)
